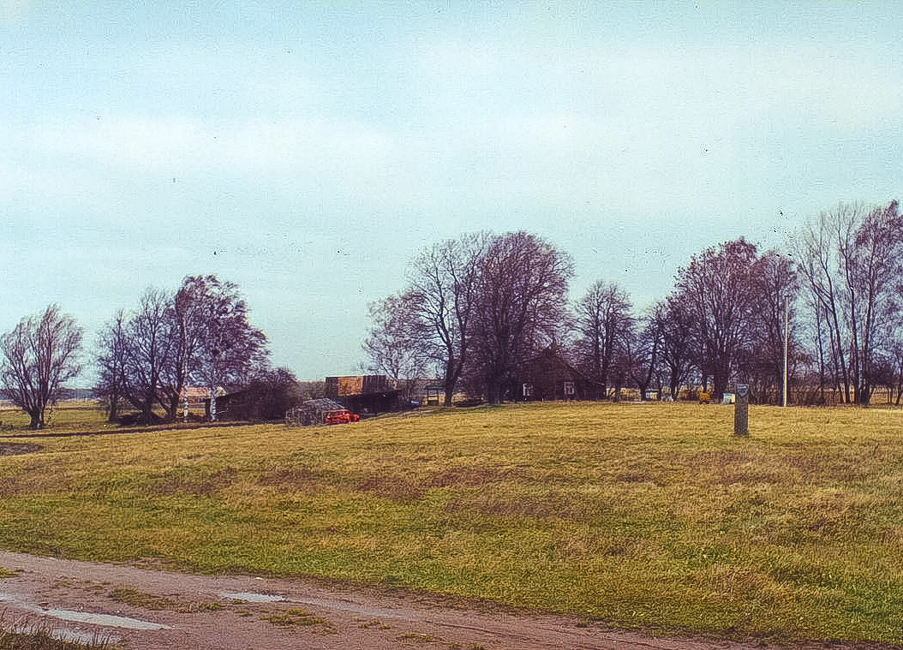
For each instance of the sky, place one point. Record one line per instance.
(308, 151)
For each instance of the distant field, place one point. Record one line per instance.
(647, 516)
(67, 416)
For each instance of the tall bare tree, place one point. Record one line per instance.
(521, 306)
(605, 322)
(149, 353)
(775, 284)
(815, 253)
(111, 359)
(877, 267)
(444, 285)
(39, 356)
(397, 345)
(677, 343)
(850, 259)
(186, 332)
(644, 353)
(717, 290)
(229, 347)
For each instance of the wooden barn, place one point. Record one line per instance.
(364, 394)
(549, 377)
(230, 406)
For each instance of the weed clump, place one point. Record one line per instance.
(300, 618)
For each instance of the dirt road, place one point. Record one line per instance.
(159, 609)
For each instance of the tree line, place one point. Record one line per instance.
(145, 357)
(824, 313)
(476, 308)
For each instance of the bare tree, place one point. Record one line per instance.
(229, 348)
(397, 345)
(39, 356)
(717, 290)
(112, 363)
(605, 323)
(775, 285)
(814, 250)
(521, 306)
(644, 352)
(877, 265)
(677, 344)
(149, 353)
(186, 333)
(850, 259)
(445, 281)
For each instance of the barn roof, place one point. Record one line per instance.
(349, 386)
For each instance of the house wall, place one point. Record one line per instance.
(548, 374)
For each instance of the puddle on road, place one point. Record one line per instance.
(106, 620)
(248, 597)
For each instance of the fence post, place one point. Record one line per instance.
(741, 411)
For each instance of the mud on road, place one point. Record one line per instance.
(149, 609)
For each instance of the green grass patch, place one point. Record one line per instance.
(300, 618)
(42, 639)
(645, 516)
(136, 598)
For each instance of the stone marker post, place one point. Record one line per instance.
(741, 411)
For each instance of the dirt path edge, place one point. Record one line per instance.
(159, 609)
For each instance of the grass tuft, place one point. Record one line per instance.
(300, 618)
(39, 638)
(136, 598)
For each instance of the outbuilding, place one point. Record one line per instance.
(364, 394)
(548, 377)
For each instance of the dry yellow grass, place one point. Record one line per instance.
(643, 515)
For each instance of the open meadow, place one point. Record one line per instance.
(644, 516)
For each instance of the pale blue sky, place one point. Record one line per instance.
(307, 151)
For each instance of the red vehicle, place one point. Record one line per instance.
(341, 416)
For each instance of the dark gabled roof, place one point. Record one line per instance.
(551, 354)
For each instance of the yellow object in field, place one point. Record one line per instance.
(704, 398)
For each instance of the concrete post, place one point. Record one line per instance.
(741, 411)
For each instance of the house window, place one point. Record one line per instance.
(569, 390)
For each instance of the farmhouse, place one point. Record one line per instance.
(548, 377)
(364, 394)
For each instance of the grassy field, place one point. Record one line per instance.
(649, 516)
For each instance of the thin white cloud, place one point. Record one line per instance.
(161, 144)
(14, 10)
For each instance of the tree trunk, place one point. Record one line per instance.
(113, 409)
(719, 385)
(213, 405)
(37, 422)
(675, 387)
(172, 408)
(452, 373)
